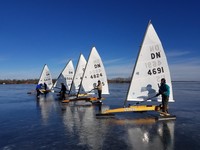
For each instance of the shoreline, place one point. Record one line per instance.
(35, 81)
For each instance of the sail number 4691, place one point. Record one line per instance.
(155, 71)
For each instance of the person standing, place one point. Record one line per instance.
(63, 91)
(45, 89)
(45, 86)
(38, 88)
(99, 89)
(164, 90)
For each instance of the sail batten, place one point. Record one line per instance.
(150, 67)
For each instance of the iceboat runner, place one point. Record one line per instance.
(94, 71)
(151, 66)
(46, 78)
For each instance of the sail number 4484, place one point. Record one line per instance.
(155, 71)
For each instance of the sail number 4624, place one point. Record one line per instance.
(155, 71)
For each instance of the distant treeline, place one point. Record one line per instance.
(16, 81)
(35, 81)
(119, 80)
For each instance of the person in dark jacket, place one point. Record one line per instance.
(45, 89)
(164, 90)
(63, 91)
(99, 89)
(45, 86)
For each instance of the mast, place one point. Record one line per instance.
(62, 74)
(74, 76)
(54, 86)
(136, 62)
(41, 73)
(83, 75)
(79, 64)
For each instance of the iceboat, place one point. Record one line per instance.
(94, 71)
(150, 67)
(65, 77)
(46, 78)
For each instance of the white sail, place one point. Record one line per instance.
(66, 77)
(80, 68)
(150, 67)
(45, 77)
(94, 71)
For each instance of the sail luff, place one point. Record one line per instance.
(83, 75)
(78, 74)
(136, 61)
(54, 86)
(65, 76)
(74, 76)
(41, 73)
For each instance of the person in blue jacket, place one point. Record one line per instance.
(38, 88)
(164, 90)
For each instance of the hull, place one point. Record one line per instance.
(140, 108)
(133, 109)
(90, 99)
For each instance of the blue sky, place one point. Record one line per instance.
(38, 32)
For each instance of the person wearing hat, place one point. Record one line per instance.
(164, 90)
(99, 89)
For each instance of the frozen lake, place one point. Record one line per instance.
(28, 123)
